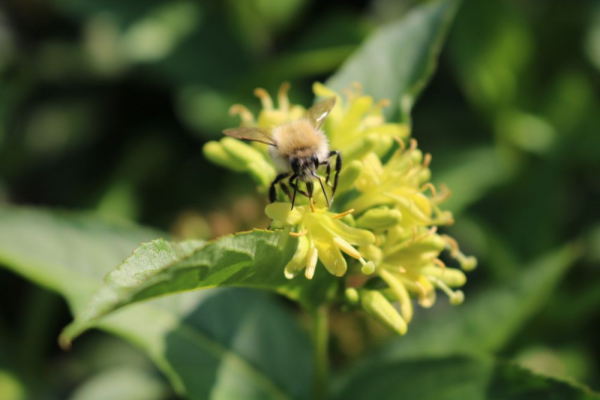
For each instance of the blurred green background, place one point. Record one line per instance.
(105, 105)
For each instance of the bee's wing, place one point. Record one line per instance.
(262, 135)
(318, 112)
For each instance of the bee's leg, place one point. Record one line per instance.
(327, 171)
(338, 168)
(294, 185)
(278, 178)
(286, 190)
(317, 177)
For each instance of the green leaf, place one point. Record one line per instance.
(456, 379)
(486, 322)
(485, 169)
(11, 388)
(211, 344)
(396, 61)
(251, 259)
(121, 383)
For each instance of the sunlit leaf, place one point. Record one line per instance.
(252, 259)
(121, 383)
(397, 60)
(456, 379)
(210, 344)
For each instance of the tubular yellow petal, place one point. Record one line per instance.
(331, 257)
(282, 212)
(395, 130)
(299, 258)
(351, 235)
(361, 147)
(379, 218)
(311, 263)
(349, 175)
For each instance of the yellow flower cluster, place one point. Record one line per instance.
(321, 235)
(393, 212)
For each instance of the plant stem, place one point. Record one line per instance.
(320, 336)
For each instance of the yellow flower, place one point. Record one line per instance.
(357, 125)
(397, 209)
(321, 236)
(401, 183)
(270, 116)
(409, 264)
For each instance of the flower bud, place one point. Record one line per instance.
(349, 175)
(383, 146)
(214, 152)
(242, 152)
(379, 218)
(362, 147)
(352, 296)
(376, 305)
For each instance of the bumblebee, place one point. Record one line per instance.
(298, 148)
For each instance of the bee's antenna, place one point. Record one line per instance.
(322, 186)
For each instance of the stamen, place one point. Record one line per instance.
(343, 214)
(299, 234)
(456, 297)
(443, 217)
(312, 205)
(426, 160)
(264, 97)
(429, 186)
(439, 263)
(243, 112)
(358, 87)
(347, 248)
(382, 103)
(421, 288)
(401, 144)
(282, 98)
(311, 263)
(452, 244)
(413, 145)
(443, 195)
(367, 267)
(467, 263)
